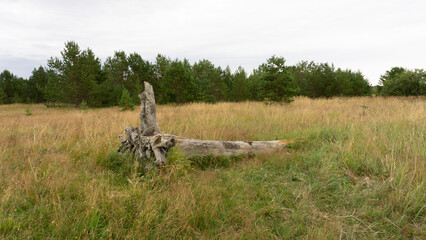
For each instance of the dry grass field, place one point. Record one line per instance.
(359, 175)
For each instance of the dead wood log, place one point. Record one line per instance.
(195, 147)
(148, 142)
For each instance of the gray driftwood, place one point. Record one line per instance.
(148, 142)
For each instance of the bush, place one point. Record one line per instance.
(28, 111)
(404, 83)
(83, 105)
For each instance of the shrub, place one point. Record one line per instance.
(28, 111)
(404, 83)
(83, 105)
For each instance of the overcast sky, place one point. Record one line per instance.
(367, 35)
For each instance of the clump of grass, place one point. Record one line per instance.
(118, 162)
(211, 161)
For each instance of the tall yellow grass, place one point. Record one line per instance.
(53, 183)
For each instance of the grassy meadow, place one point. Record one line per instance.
(360, 173)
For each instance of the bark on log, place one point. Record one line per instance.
(149, 142)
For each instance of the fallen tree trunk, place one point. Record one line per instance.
(194, 147)
(148, 142)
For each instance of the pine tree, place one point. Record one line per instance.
(36, 83)
(210, 85)
(240, 86)
(2, 95)
(179, 84)
(126, 102)
(15, 89)
(75, 74)
(140, 71)
(117, 72)
(277, 82)
(162, 63)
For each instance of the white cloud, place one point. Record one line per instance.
(371, 36)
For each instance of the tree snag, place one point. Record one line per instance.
(148, 142)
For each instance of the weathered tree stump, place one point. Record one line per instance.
(148, 142)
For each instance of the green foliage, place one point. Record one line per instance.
(352, 83)
(210, 85)
(240, 90)
(83, 105)
(403, 82)
(76, 75)
(211, 161)
(276, 81)
(323, 80)
(179, 84)
(391, 74)
(162, 63)
(52, 91)
(117, 71)
(6, 80)
(129, 72)
(126, 102)
(36, 84)
(140, 71)
(227, 77)
(17, 98)
(119, 163)
(12, 88)
(2, 95)
(28, 111)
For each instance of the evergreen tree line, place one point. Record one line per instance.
(78, 76)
